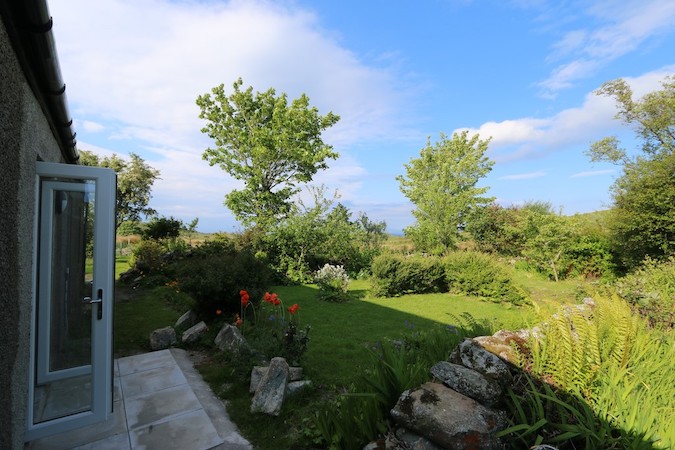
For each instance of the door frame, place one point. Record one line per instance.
(103, 279)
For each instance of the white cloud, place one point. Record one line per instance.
(624, 27)
(91, 126)
(592, 173)
(138, 67)
(529, 137)
(525, 176)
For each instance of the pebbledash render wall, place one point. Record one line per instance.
(25, 137)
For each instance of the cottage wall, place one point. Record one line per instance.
(25, 137)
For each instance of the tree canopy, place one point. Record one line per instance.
(644, 195)
(267, 143)
(442, 185)
(134, 183)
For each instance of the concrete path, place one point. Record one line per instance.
(160, 402)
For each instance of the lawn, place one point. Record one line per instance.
(338, 352)
(342, 332)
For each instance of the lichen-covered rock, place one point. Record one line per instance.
(448, 418)
(504, 344)
(470, 354)
(404, 439)
(270, 394)
(162, 338)
(294, 374)
(186, 320)
(229, 338)
(193, 333)
(468, 382)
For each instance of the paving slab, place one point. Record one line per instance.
(161, 402)
(193, 431)
(153, 380)
(145, 361)
(146, 409)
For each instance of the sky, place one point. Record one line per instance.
(521, 72)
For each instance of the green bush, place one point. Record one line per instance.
(481, 275)
(651, 290)
(147, 256)
(395, 275)
(214, 280)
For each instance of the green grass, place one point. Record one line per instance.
(138, 314)
(121, 265)
(342, 332)
(341, 336)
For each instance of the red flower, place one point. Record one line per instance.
(293, 309)
(274, 299)
(244, 298)
(268, 297)
(238, 322)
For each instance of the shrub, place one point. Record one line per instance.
(160, 228)
(651, 290)
(482, 275)
(333, 283)
(215, 279)
(147, 256)
(395, 275)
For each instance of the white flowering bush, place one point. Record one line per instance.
(333, 283)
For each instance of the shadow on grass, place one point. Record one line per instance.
(344, 334)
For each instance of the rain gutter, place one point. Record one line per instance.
(29, 26)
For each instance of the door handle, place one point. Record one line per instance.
(99, 300)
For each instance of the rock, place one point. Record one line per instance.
(413, 441)
(229, 338)
(448, 418)
(193, 333)
(294, 374)
(269, 396)
(162, 338)
(470, 354)
(294, 387)
(502, 344)
(186, 320)
(468, 382)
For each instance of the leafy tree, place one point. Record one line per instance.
(134, 183)
(547, 248)
(644, 196)
(268, 144)
(191, 228)
(442, 185)
(496, 229)
(321, 233)
(161, 228)
(129, 228)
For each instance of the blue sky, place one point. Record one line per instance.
(522, 72)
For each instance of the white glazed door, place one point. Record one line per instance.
(71, 355)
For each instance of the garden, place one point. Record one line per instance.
(363, 341)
